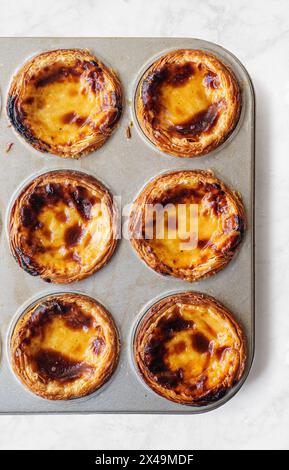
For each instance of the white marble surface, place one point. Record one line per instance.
(257, 31)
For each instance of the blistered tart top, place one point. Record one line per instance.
(65, 102)
(189, 349)
(62, 226)
(64, 346)
(187, 224)
(188, 102)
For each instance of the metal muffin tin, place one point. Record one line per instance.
(126, 286)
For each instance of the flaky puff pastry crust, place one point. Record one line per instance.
(189, 349)
(188, 102)
(188, 245)
(63, 226)
(65, 102)
(64, 346)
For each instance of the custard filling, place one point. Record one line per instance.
(186, 238)
(61, 342)
(191, 346)
(184, 98)
(64, 228)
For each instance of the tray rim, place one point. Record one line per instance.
(185, 410)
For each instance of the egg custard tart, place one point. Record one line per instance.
(62, 226)
(64, 346)
(187, 224)
(189, 349)
(65, 102)
(188, 102)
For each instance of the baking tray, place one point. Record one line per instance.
(125, 286)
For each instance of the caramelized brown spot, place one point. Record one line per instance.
(74, 118)
(220, 351)
(170, 379)
(94, 76)
(172, 74)
(83, 202)
(56, 73)
(51, 194)
(56, 366)
(68, 118)
(217, 200)
(29, 100)
(200, 342)
(155, 350)
(179, 347)
(73, 235)
(202, 243)
(70, 313)
(181, 195)
(61, 216)
(199, 123)
(174, 323)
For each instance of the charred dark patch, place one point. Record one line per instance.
(48, 196)
(17, 117)
(203, 243)
(213, 396)
(155, 350)
(200, 342)
(174, 323)
(26, 263)
(56, 74)
(199, 123)
(94, 76)
(181, 195)
(52, 365)
(83, 201)
(73, 235)
(170, 379)
(72, 315)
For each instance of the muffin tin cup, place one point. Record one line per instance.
(125, 286)
(135, 327)
(22, 310)
(32, 177)
(138, 83)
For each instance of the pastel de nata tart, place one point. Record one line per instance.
(189, 349)
(65, 102)
(62, 226)
(188, 102)
(187, 224)
(64, 346)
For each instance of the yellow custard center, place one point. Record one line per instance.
(68, 242)
(63, 112)
(181, 103)
(189, 241)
